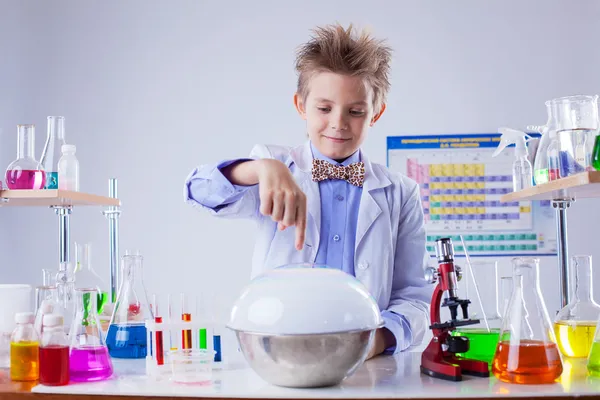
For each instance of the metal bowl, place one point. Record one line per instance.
(306, 360)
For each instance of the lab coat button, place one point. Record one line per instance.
(363, 265)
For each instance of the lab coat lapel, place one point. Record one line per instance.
(302, 157)
(370, 200)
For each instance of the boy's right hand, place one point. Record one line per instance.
(281, 197)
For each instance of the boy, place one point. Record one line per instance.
(324, 202)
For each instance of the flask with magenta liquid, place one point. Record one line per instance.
(25, 172)
(527, 352)
(575, 324)
(126, 336)
(88, 357)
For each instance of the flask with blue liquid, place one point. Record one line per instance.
(126, 336)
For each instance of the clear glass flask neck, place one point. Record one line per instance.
(26, 141)
(56, 128)
(582, 279)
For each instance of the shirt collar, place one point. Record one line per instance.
(355, 157)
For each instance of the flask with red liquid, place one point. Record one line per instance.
(527, 352)
(25, 172)
(54, 352)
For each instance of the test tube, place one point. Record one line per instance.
(186, 316)
(158, 333)
(172, 342)
(201, 313)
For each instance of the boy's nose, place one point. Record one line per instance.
(339, 124)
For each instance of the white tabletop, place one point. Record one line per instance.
(382, 377)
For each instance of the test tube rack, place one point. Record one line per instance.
(172, 333)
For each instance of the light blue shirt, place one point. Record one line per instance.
(340, 204)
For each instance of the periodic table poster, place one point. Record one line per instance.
(461, 185)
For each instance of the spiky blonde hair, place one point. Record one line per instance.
(335, 49)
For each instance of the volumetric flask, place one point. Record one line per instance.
(482, 290)
(575, 324)
(88, 356)
(527, 351)
(127, 333)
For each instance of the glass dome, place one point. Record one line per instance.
(301, 299)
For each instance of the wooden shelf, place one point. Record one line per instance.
(584, 185)
(53, 197)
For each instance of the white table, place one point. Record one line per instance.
(381, 377)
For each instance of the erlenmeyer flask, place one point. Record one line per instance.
(483, 337)
(575, 324)
(86, 276)
(527, 351)
(88, 356)
(127, 333)
(51, 154)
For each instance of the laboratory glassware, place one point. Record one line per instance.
(575, 324)
(483, 337)
(576, 126)
(68, 169)
(86, 276)
(546, 163)
(127, 333)
(24, 349)
(527, 352)
(596, 153)
(46, 299)
(55, 138)
(88, 357)
(54, 352)
(25, 172)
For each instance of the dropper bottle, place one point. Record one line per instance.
(522, 171)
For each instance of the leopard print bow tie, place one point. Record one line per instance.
(353, 173)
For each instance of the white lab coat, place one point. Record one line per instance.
(390, 252)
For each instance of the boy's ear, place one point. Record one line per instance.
(378, 115)
(299, 105)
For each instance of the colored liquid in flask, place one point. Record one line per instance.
(89, 363)
(482, 344)
(531, 362)
(24, 361)
(25, 179)
(575, 339)
(51, 180)
(54, 365)
(217, 347)
(127, 341)
(593, 365)
(186, 334)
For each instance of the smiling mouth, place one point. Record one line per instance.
(337, 140)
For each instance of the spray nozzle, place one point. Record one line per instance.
(510, 136)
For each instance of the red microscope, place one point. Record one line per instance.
(439, 359)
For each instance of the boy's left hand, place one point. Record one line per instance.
(384, 339)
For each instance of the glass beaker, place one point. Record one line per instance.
(51, 154)
(576, 120)
(527, 351)
(88, 357)
(483, 337)
(575, 324)
(127, 333)
(25, 172)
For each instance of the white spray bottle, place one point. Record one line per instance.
(522, 172)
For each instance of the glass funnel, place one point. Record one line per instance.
(575, 324)
(51, 154)
(527, 352)
(88, 356)
(25, 172)
(127, 333)
(576, 120)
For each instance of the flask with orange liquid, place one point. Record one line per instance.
(527, 352)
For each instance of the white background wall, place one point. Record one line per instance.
(151, 89)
